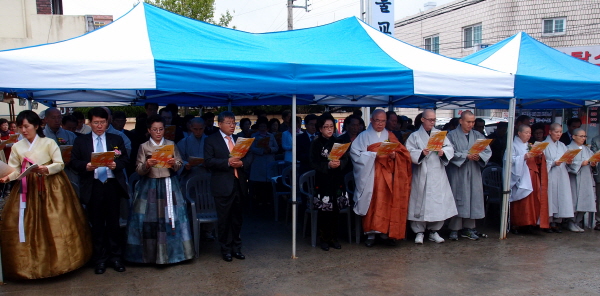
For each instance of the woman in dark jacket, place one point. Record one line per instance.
(329, 180)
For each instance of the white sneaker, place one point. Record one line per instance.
(572, 227)
(419, 238)
(435, 237)
(579, 228)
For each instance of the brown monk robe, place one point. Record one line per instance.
(534, 207)
(389, 205)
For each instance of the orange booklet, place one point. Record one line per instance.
(163, 154)
(569, 155)
(170, 132)
(102, 159)
(337, 151)
(595, 157)
(538, 148)
(264, 142)
(480, 145)
(194, 161)
(242, 145)
(65, 151)
(387, 148)
(436, 140)
(13, 138)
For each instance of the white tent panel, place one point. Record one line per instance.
(504, 59)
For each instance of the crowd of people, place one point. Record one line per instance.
(68, 212)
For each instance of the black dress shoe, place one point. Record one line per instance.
(100, 268)
(239, 255)
(336, 245)
(227, 257)
(118, 266)
(556, 229)
(325, 246)
(370, 242)
(390, 242)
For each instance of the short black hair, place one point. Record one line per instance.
(3, 121)
(310, 117)
(78, 115)
(323, 118)
(32, 118)
(165, 110)
(522, 118)
(146, 105)
(153, 119)
(70, 118)
(119, 115)
(262, 120)
(389, 113)
(98, 112)
(208, 115)
(479, 120)
(573, 120)
(223, 115)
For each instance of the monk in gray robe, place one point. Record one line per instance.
(382, 182)
(431, 199)
(464, 175)
(582, 182)
(595, 148)
(560, 201)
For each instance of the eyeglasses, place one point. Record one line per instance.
(432, 120)
(228, 123)
(328, 126)
(99, 122)
(157, 130)
(379, 121)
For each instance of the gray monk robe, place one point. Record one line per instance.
(582, 181)
(431, 198)
(560, 201)
(464, 175)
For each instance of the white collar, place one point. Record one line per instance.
(31, 144)
(159, 144)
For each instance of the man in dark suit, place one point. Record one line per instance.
(572, 124)
(228, 185)
(101, 189)
(303, 143)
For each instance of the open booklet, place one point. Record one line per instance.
(194, 161)
(242, 145)
(13, 138)
(27, 172)
(102, 159)
(480, 145)
(65, 151)
(569, 155)
(387, 148)
(436, 140)
(163, 154)
(337, 151)
(5, 169)
(595, 158)
(538, 148)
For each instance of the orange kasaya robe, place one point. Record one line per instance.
(388, 209)
(534, 207)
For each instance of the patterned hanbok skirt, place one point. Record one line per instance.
(151, 237)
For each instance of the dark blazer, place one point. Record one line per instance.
(81, 156)
(303, 151)
(565, 138)
(216, 159)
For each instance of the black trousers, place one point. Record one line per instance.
(229, 213)
(103, 211)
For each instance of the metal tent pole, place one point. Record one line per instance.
(507, 167)
(294, 172)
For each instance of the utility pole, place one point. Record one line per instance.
(290, 7)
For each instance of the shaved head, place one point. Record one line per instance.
(555, 126)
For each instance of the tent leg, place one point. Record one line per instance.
(294, 172)
(507, 168)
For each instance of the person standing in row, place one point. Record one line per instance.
(582, 182)
(431, 199)
(228, 185)
(464, 175)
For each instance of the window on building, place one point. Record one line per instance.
(432, 43)
(554, 26)
(472, 36)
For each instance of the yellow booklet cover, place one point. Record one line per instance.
(65, 151)
(242, 145)
(479, 146)
(538, 148)
(436, 140)
(387, 148)
(337, 151)
(595, 157)
(170, 132)
(102, 159)
(194, 161)
(163, 154)
(569, 155)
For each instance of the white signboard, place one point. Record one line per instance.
(381, 15)
(587, 53)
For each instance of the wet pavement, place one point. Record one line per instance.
(539, 264)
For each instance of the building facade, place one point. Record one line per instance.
(462, 27)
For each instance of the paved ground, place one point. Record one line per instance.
(543, 264)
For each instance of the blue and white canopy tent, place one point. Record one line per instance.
(542, 75)
(153, 51)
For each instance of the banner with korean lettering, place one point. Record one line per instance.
(589, 54)
(381, 15)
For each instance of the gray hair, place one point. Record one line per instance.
(577, 130)
(377, 111)
(428, 110)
